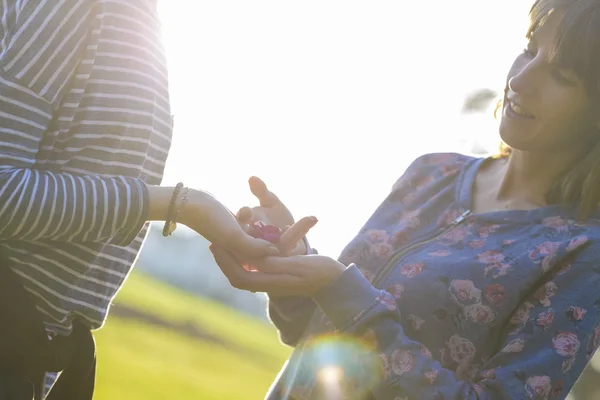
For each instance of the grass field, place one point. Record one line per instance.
(138, 360)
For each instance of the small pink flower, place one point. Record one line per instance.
(490, 257)
(396, 290)
(381, 250)
(416, 321)
(401, 361)
(456, 235)
(376, 236)
(480, 314)
(545, 293)
(425, 351)
(494, 294)
(577, 242)
(544, 249)
(488, 374)
(387, 301)
(498, 269)
(485, 230)
(558, 223)
(411, 219)
(477, 243)
(448, 217)
(521, 315)
(515, 346)
(566, 344)
(462, 350)
(430, 376)
(464, 291)
(538, 387)
(269, 233)
(400, 238)
(576, 314)
(544, 319)
(412, 270)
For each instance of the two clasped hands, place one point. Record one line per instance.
(281, 270)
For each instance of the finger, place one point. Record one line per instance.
(243, 243)
(244, 215)
(254, 281)
(290, 238)
(264, 195)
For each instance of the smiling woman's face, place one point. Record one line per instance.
(546, 108)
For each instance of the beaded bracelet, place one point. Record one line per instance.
(173, 211)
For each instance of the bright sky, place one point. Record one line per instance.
(327, 101)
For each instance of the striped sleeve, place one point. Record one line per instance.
(35, 69)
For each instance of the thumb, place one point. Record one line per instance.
(294, 234)
(262, 193)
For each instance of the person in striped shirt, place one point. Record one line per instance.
(85, 130)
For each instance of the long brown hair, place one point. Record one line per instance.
(576, 48)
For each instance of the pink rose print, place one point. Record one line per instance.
(455, 235)
(387, 302)
(401, 361)
(548, 262)
(425, 351)
(566, 344)
(430, 376)
(488, 374)
(462, 350)
(400, 238)
(480, 314)
(544, 293)
(538, 387)
(575, 314)
(439, 253)
(412, 270)
(416, 321)
(490, 257)
(544, 249)
(515, 346)
(381, 250)
(477, 243)
(494, 294)
(396, 290)
(497, 269)
(558, 223)
(411, 219)
(594, 342)
(465, 292)
(577, 242)
(485, 230)
(521, 315)
(544, 319)
(376, 236)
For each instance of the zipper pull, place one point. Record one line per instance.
(462, 217)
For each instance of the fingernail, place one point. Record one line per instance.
(314, 219)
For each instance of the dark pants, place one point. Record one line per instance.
(26, 353)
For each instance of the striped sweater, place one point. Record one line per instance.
(84, 124)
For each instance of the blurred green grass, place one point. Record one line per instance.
(137, 360)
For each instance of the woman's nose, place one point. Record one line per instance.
(524, 80)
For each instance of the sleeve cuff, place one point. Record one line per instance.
(345, 300)
(140, 202)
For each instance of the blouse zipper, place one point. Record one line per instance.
(402, 252)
